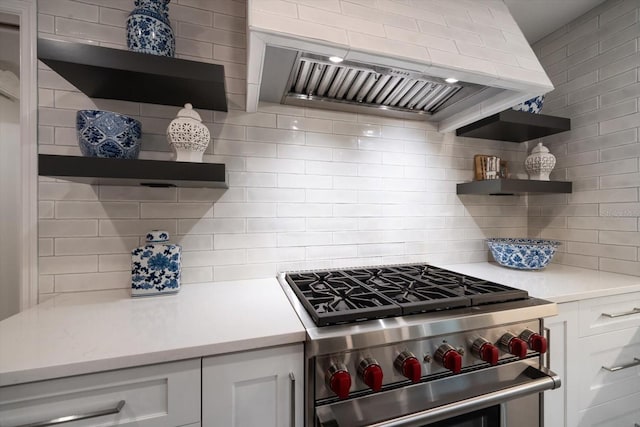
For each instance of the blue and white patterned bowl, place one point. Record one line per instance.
(533, 105)
(106, 134)
(523, 254)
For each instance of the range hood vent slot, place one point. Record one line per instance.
(317, 79)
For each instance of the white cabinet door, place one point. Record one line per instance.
(612, 369)
(254, 388)
(164, 395)
(560, 408)
(617, 413)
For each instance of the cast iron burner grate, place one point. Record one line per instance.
(342, 296)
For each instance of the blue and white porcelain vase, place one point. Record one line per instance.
(155, 267)
(149, 29)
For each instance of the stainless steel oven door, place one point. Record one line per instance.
(461, 396)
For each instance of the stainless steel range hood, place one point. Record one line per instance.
(309, 80)
(387, 69)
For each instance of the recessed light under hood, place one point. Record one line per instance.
(309, 80)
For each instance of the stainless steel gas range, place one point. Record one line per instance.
(418, 345)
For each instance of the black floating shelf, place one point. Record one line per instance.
(149, 173)
(102, 72)
(515, 126)
(508, 187)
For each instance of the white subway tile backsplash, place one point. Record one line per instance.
(68, 228)
(305, 152)
(176, 210)
(116, 262)
(88, 31)
(136, 227)
(45, 247)
(73, 209)
(92, 281)
(280, 136)
(315, 188)
(245, 210)
(197, 274)
(68, 264)
(255, 164)
(65, 190)
(248, 240)
(116, 193)
(211, 225)
(620, 266)
(94, 245)
(270, 225)
(194, 242)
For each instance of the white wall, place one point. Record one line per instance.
(307, 188)
(9, 197)
(593, 63)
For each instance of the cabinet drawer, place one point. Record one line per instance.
(618, 413)
(599, 315)
(158, 395)
(620, 352)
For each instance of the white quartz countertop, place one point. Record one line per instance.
(557, 283)
(97, 331)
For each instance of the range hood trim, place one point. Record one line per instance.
(258, 41)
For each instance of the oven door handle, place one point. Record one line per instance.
(470, 405)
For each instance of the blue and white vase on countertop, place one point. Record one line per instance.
(156, 266)
(149, 29)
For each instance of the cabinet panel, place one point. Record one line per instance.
(254, 388)
(618, 413)
(560, 405)
(596, 314)
(157, 395)
(618, 349)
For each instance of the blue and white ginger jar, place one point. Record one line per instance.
(156, 266)
(533, 105)
(149, 29)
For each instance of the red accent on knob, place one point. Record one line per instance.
(538, 343)
(489, 353)
(452, 360)
(518, 347)
(372, 376)
(340, 384)
(412, 369)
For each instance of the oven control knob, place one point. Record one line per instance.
(409, 366)
(449, 357)
(536, 341)
(371, 373)
(339, 380)
(514, 345)
(486, 351)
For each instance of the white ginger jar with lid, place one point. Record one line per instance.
(187, 136)
(540, 163)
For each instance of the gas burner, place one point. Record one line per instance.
(341, 296)
(332, 297)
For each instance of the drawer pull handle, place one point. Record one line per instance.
(70, 418)
(292, 383)
(636, 310)
(636, 362)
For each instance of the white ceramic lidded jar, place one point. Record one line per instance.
(540, 163)
(187, 136)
